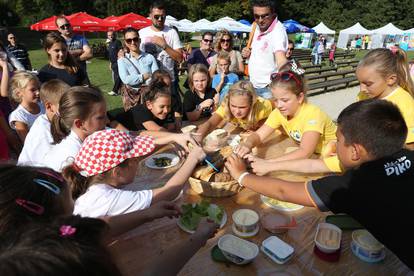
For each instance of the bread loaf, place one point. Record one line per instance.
(221, 177)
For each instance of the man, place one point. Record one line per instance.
(268, 49)
(18, 51)
(77, 44)
(164, 44)
(114, 45)
(204, 53)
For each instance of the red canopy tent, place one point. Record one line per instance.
(129, 20)
(47, 24)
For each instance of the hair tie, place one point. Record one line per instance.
(30, 206)
(67, 231)
(295, 69)
(48, 185)
(52, 174)
(394, 50)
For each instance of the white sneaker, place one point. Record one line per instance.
(112, 93)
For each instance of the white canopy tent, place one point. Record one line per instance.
(345, 34)
(389, 29)
(183, 25)
(229, 24)
(409, 31)
(323, 29)
(201, 24)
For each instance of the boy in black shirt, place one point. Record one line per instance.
(378, 186)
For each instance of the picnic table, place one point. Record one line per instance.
(135, 249)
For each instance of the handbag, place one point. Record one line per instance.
(130, 96)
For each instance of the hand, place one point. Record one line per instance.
(222, 76)
(197, 153)
(3, 64)
(246, 52)
(183, 139)
(241, 150)
(207, 228)
(178, 123)
(198, 137)
(259, 166)
(163, 209)
(121, 53)
(235, 165)
(207, 103)
(159, 40)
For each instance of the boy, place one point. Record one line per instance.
(377, 187)
(222, 81)
(39, 139)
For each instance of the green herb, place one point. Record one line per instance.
(192, 214)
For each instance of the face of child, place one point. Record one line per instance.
(223, 65)
(97, 119)
(373, 84)
(287, 102)
(130, 171)
(239, 106)
(58, 53)
(160, 107)
(30, 93)
(344, 151)
(200, 81)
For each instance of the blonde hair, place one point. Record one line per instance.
(389, 62)
(219, 36)
(224, 55)
(242, 88)
(198, 68)
(51, 91)
(18, 82)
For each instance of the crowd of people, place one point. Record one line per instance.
(63, 202)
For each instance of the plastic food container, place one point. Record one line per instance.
(278, 223)
(366, 247)
(188, 129)
(245, 221)
(328, 237)
(237, 250)
(277, 250)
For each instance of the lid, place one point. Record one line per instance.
(278, 247)
(366, 240)
(238, 247)
(245, 217)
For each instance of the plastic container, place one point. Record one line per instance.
(328, 237)
(237, 250)
(278, 223)
(366, 247)
(277, 250)
(245, 221)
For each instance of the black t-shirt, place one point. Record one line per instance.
(191, 100)
(113, 49)
(379, 194)
(48, 72)
(134, 118)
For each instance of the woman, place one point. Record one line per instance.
(224, 42)
(61, 64)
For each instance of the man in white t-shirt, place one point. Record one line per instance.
(268, 49)
(164, 44)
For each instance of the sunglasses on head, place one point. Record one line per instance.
(225, 40)
(286, 76)
(261, 16)
(159, 17)
(208, 40)
(129, 40)
(64, 26)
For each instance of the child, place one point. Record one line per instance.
(222, 81)
(377, 186)
(201, 100)
(241, 107)
(82, 111)
(24, 88)
(154, 114)
(306, 124)
(39, 139)
(332, 54)
(97, 179)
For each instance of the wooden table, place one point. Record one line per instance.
(133, 250)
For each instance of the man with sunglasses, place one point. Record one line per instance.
(268, 49)
(19, 51)
(204, 54)
(77, 44)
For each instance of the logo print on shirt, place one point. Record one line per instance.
(295, 134)
(312, 122)
(397, 167)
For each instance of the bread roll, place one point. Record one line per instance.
(221, 177)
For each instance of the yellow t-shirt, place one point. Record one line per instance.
(333, 164)
(405, 103)
(263, 110)
(308, 118)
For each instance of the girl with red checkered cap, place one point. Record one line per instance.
(107, 161)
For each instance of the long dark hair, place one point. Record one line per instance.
(51, 38)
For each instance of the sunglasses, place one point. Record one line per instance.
(286, 76)
(225, 40)
(208, 40)
(64, 26)
(12, 37)
(261, 16)
(159, 17)
(129, 40)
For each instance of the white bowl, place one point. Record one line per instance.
(245, 220)
(330, 243)
(237, 250)
(366, 247)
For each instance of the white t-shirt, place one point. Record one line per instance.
(262, 61)
(38, 143)
(105, 200)
(21, 114)
(63, 153)
(172, 39)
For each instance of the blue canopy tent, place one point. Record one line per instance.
(293, 26)
(245, 22)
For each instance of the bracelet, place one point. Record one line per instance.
(241, 178)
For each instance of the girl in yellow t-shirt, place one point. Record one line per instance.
(241, 107)
(306, 124)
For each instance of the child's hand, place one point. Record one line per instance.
(241, 150)
(163, 209)
(235, 165)
(197, 153)
(259, 166)
(207, 103)
(182, 139)
(222, 76)
(207, 228)
(3, 64)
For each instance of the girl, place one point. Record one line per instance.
(154, 114)
(97, 179)
(61, 64)
(201, 100)
(306, 124)
(242, 107)
(24, 88)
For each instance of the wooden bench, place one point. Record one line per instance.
(325, 76)
(337, 56)
(327, 69)
(330, 85)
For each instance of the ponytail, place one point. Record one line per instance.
(58, 129)
(403, 71)
(78, 183)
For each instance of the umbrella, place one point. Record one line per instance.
(293, 26)
(129, 20)
(47, 24)
(83, 22)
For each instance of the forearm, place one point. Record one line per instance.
(219, 86)
(194, 115)
(294, 155)
(174, 54)
(252, 141)
(301, 166)
(4, 82)
(121, 224)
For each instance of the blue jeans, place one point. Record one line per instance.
(264, 92)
